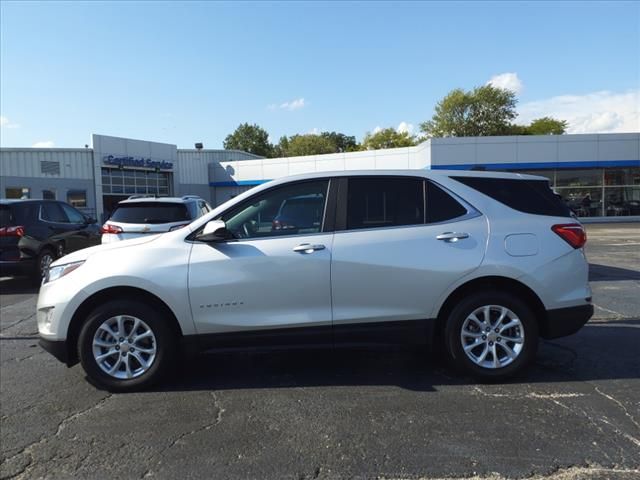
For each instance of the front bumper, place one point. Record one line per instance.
(57, 348)
(561, 322)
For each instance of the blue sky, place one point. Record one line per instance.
(192, 71)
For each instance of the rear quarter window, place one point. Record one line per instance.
(6, 218)
(18, 214)
(528, 196)
(152, 213)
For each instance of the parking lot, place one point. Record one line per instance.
(349, 413)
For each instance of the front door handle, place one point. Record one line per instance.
(452, 236)
(308, 248)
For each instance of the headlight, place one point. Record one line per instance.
(60, 271)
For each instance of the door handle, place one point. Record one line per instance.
(452, 236)
(308, 248)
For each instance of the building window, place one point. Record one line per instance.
(77, 198)
(17, 192)
(596, 192)
(48, 194)
(579, 178)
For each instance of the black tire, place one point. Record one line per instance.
(165, 345)
(47, 256)
(468, 305)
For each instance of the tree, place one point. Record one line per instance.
(387, 138)
(546, 126)
(483, 111)
(249, 138)
(308, 144)
(342, 142)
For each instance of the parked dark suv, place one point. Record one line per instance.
(33, 233)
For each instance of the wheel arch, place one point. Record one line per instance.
(105, 295)
(493, 283)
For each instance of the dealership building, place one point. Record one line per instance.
(598, 175)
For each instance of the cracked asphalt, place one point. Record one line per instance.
(337, 414)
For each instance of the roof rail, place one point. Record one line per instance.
(142, 195)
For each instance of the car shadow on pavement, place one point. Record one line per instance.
(599, 351)
(606, 273)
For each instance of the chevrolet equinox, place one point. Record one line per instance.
(481, 264)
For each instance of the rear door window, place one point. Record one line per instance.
(528, 196)
(374, 202)
(51, 212)
(151, 212)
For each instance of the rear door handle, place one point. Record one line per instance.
(452, 236)
(308, 248)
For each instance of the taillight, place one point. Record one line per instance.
(108, 228)
(178, 227)
(17, 231)
(572, 233)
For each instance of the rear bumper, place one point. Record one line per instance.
(565, 321)
(23, 266)
(57, 348)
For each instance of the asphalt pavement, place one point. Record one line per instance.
(340, 414)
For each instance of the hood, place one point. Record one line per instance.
(85, 253)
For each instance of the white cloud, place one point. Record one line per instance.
(405, 127)
(292, 105)
(376, 130)
(5, 123)
(596, 112)
(44, 144)
(509, 81)
(314, 131)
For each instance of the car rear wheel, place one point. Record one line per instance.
(491, 335)
(126, 346)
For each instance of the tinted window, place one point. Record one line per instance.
(193, 209)
(51, 212)
(384, 202)
(73, 215)
(292, 210)
(441, 206)
(528, 196)
(5, 216)
(150, 212)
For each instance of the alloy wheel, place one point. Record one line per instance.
(124, 347)
(492, 336)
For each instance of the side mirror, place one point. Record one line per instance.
(90, 220)
(214, 231)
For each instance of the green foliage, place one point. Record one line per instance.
(387, 138)
(308, 144)
(250, 138)
(342, 142)
(546, 126)
(482, 111)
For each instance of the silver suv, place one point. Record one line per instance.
(481, 263)
(142, 214)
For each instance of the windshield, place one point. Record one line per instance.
(151, 212)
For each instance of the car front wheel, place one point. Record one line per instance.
(491, 335)
(126, 346)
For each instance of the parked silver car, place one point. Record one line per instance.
(142, 214)
(482, 263)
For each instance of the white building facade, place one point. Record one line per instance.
(598, 175)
